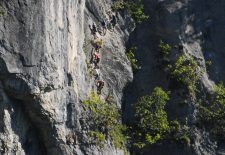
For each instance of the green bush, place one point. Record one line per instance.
(175, 126)
(208, 63)
(220, 94)
(2, 12)
(179, 133)
(184, 139)
(118, 136)
(165, 48)
(105, 118)
(213, 114)
(132, 58)
(185, 71)
(134, 7)
(152, 123)
(99, 137)
(118, 5)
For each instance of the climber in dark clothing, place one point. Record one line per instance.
(103, 23)
(100, 84)
(113, 21)
(93, 30)
(98, 44)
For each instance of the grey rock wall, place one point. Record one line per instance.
(44, 47)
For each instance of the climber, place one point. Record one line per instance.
(109, 13)
(100, 84)
(103, 23)
(96, 58)
(98, 45)
(113, 21)
(93, 30)
(97, 72)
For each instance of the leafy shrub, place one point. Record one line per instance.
(151, 118)
(184, 139)
(106, 121)
(152, 125)
(134, 7)
(213, 115)
(165, 48)
(185, 71)
(2, 12)
(179, 133)
(118, 136)
(132, 58)
(208, 63)
(99, 137)
(220, 94)
(89, 67)
(152, 139)
(118, 5)
(175, 126)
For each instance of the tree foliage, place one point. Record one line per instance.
(165, 51)
(2, 12)
(185, 71)
(105, 118)
(134, 7)
(151, 117)
(165, 48)
(213, 114)
(132, 58)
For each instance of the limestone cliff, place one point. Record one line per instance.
(44, 74)
(45, 49)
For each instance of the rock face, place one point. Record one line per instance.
(45, 50)
(45, 47)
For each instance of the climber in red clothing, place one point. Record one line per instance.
(96, 58)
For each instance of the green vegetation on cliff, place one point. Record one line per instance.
(134, 7)
(132, 58)
(164, 53)
(185, 71)
(105, 119)
(165, 49)
(152, 125)
(213, 114)
(211, 109)
(151, 118)
(2, 12)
